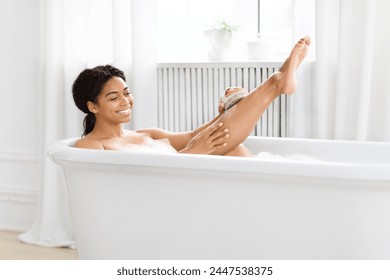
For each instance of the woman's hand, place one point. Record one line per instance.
(221, 107)
(208, 141)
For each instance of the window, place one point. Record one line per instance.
(181, 25)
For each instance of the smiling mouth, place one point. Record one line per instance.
(124, 112)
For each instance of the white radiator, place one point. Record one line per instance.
(188, 94)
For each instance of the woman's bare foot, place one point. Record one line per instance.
(287, 73)
(298, 52)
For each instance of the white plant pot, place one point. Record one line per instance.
(220, 40)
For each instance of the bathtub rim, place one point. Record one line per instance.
(63, 154)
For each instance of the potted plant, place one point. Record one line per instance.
(220, 37)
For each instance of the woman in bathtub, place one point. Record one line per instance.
(102, 93)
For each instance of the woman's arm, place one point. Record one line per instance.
(204, 140)
(178, 140)
(88, 144)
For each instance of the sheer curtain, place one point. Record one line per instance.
(74, 35)
(351, 95)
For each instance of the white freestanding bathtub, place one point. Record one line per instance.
(128, 205)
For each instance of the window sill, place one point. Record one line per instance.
(225, 64)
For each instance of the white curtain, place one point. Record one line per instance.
(351, 95)
(74, 35)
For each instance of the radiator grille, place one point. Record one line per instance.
(188, 94)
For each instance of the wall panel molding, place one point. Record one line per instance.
(18, 156)
(18, 205)
(18, 194)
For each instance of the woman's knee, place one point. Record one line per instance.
(239, 151)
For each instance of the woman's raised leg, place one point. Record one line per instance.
(242, 118)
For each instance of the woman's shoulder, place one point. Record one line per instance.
(154, 132)
(89, 143)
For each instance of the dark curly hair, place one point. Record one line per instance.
(88, 86)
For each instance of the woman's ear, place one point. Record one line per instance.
(92, 107)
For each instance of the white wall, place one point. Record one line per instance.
(19, 166)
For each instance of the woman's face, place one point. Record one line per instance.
(114, 103)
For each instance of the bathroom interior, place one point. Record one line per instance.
(177, 70)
